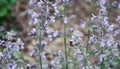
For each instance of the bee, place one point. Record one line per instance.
(32, 67)
(71, 44)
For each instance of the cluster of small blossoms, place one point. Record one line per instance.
(103, 37)
(10, 45)
(42, 13)
(79, 54)
(76, 37)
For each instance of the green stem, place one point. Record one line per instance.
(102, 63)
(39, 47)
(89, 33)
(65, 45)
(66, 57)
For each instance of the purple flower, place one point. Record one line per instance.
(16, 47)
(53, 19)
(32, 32)
(101, 57)
(1, 42)
(9, 55)
(117, 32)
(9, 44)
(118, 19)
(65, 21)
(11, 65)
(55, 34)
(102, 43)
(50, 37)
(105, 21)
(111, 28)
(1, 54)
(48, 31)
(82, 23)
(77, 52)
(32, 52)
(102, 2)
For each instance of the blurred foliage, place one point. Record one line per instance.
(17, 55)
(5, 9)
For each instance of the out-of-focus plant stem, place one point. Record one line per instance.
(89, 32)
(65, 45)
(40, 47)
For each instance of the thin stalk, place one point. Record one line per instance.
(39, 47)
(102, 51)
(66, 57)
(102, 63)
(65, 43)
(89, 33)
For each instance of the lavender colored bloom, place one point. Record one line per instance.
(1, 54)
(9, 44)
(34, 15)
(93, 37)
(53, 19)
(20, 42)
(101, 57)
(102, 2)
(116, 4)
(109, 42)
(50, 37)
(16, 47)
(70, 30)
(111, 28)
(43, 54)
(40, 3)
(11, 65)
(93, 18)
(55, 34)
(1, 42)
(48, 31)
(65, 20)
(32, 52)
(102, 43)
(103, 11)
(118, 19)
(116, 32)
(77, 52)
(55, 9)
(9, 55)
(32, 32)
(82, 23)
(105, 21)
(36, 21)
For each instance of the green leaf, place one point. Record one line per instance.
(11, 1)
(1, 21)
(9, 12)
(21, 62)
(90, 28)
(92, 52)
(61, 8)
(18, 55)
(3, 4)
(116, 60)
(3, 12)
